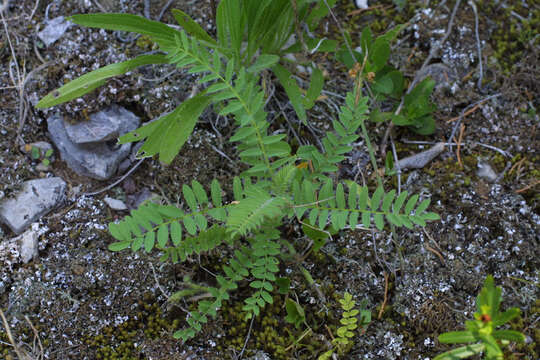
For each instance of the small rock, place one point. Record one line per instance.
(135, 200)
(442, 74)
(115, 204)
(36, 198)
(486, 172)
(94, 160)
(103, 126)
(54, 30)
(28, 243)
(260, 355)
(361, 4)
(418, 161)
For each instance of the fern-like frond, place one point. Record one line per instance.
(250, 212)
(153, 225)
(334, 206)
(265, 265)
(339, 143)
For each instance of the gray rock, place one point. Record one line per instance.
(54, 30)
(96, 160)
(443, 75)
(418, 161)
(28, 244)
(36, 198)
(485, 171)
(105, 125)
(115, 204)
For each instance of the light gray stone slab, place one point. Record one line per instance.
(54, 30)
(36, 199)
(95, 160)
(102, 126)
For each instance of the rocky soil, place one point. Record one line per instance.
(66, 296)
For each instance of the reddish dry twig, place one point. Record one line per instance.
(381, 311)
(460, 139)
(534, 183)
(468, 112)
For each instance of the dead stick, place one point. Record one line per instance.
(381, 311)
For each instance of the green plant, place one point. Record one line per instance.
(482, 329)
(387, 83)
(277, 188)
(45, 155)
(349, 321)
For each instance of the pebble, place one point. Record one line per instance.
(115, 204)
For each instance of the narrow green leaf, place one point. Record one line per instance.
(215, 192)
(137, 244)
(366, 219)
(190, 225)
(176, 233)
(376, 199)
(200, 193)
(149, 241)
(461, 352)
(352, 195)
(387, 201)
(233, 106)
(340, 197)
(264, 61)
(189, 196)
(92, 80)
(315, 87)
(162, 236)
(192, 27)
(410, 204)
(422, 207)
(379, 221)
(292, 89)
(399, 202)
(118, 246)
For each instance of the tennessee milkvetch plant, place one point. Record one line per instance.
(279, 186)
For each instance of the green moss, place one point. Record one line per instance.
(118, 342)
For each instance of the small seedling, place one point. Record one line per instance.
(481, 331)
(37, 153)
(350, 323)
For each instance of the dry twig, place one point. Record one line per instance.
(381, 311)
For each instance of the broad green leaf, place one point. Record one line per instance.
(380, 51)
(171, 131)
(88, 82)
